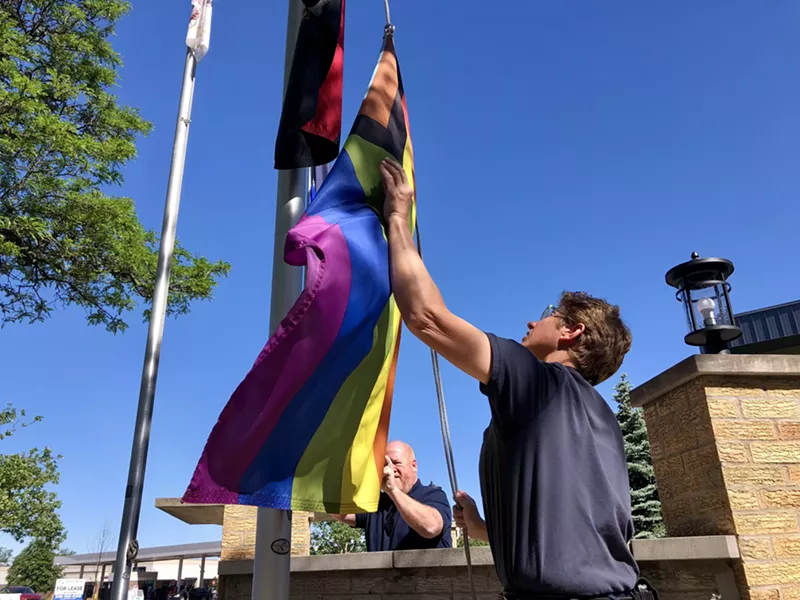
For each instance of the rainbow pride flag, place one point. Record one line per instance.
(307, 427)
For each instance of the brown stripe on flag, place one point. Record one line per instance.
(382, 91)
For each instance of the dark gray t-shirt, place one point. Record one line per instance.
(554, 480)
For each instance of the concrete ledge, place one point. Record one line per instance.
(193, 514)
(359, 561)
(451, 557)
(206, 514)
(235, 567)
(715, 547)
(729, 365)
(711, 547)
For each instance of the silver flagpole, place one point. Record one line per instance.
(128, 546)
(274, 527)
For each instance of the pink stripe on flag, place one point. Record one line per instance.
(289, 358)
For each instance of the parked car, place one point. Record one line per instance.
(25, 593)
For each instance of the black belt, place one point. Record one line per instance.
(612, 597)
(509, 596)
(644, 591)
(506, 596)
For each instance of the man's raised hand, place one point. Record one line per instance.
(397, 189)
(391, 478)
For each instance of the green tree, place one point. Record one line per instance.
(27, 508)
(64, 139)
(473, 543)
(335, 537)
(646, 505)
(5, 555)
(34, 567)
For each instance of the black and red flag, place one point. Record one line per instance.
(311, 120)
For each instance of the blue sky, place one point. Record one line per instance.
(560, 145)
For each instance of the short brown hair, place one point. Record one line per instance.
(605, 341)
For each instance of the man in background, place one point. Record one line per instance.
(410, 516)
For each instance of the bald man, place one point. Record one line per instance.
(410, 516)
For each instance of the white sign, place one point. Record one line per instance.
(10, 596)
(69, 589)
(134, 593)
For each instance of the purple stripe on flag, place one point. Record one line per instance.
(289, 358)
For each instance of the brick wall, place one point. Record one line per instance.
(726, 454)
(239, 532)
(693, 496)
(684, 580)
(759, 423)
(301, 533)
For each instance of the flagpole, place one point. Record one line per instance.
(128, 546)
(274, 527)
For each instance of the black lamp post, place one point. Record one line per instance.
(704, 291)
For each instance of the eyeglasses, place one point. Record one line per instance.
(548, 312)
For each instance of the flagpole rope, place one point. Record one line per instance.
(389, 29)
(388, 14)
(446, 441)
(437, 378)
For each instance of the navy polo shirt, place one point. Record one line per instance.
(386, 530)
(554, 480)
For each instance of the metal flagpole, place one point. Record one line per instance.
(128, 546)
(274, 527)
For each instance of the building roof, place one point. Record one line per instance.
(155, 553)
(774, 329)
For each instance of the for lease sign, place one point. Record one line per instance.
(69, 589)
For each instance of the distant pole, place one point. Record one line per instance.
(128, 546)
(274, 527)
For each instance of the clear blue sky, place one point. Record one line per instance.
(560, 145)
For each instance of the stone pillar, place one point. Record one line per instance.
(239, 532)
(725, 441)
(301, 533)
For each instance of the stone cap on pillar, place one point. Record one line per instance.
(207, 514)
(716, 365)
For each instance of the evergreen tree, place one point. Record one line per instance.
(646, 505)
(33, 567)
